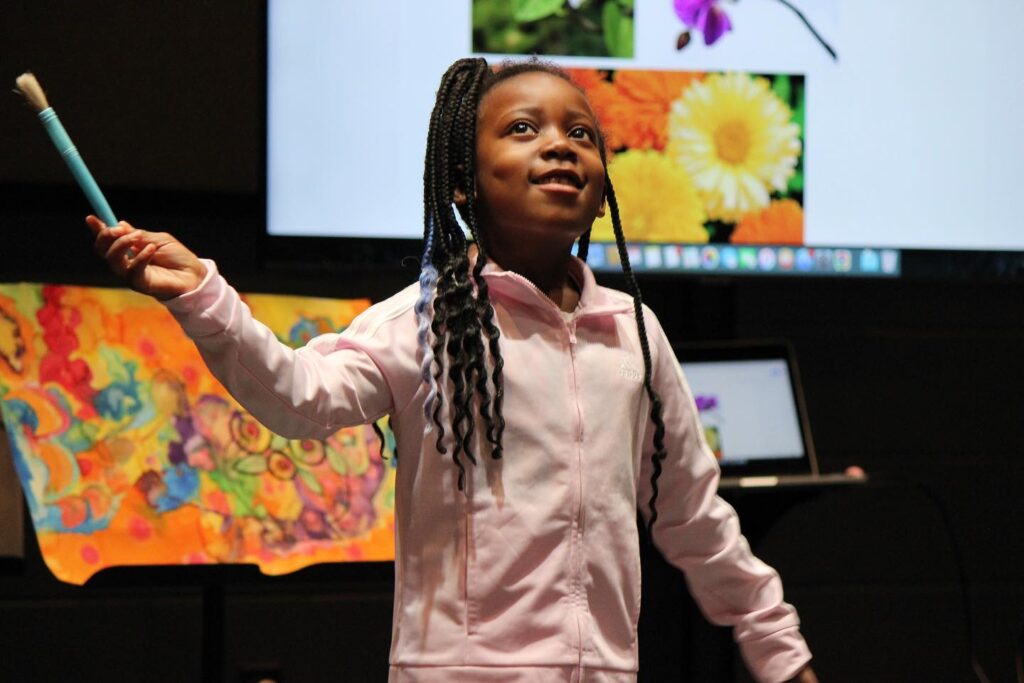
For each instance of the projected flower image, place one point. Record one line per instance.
(736, 139)
(592, 28)
(702, 157)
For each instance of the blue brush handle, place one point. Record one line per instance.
(67, 149)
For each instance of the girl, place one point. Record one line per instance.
(506, 351)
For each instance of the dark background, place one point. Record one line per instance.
(919, 381)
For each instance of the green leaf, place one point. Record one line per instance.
(532, 10)
(625, 39)
(611, 15)
(310, 480)
(119, 369)
(716, 230)
(799, 107)
(618, 31)
(796, 182)
(80, 436)
(628, 4)
(337, 462)
(781, 87)
(252, 464)
(514, 41)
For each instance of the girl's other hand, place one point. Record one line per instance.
(153, 263)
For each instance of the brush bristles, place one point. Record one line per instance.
(29, 87)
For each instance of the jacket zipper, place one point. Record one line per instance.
(576, 539)
(577, 531)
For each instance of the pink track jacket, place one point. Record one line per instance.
(533, 573)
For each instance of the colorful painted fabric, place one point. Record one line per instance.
(130, 453)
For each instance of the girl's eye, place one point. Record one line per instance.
(520, 128)
(582, 133)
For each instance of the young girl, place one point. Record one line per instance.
(534, 411)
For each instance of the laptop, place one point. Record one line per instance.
(752, 409)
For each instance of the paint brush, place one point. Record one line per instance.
(30, 89)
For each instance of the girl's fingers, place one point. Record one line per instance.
(139, 261)
(100, 229)
(106, 236)
(103, 241)
(118, 254)
(95, 224)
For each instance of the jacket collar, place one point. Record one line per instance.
(594, 299)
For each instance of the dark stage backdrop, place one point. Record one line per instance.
(921, 381)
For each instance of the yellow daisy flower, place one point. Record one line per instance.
(735, 138)
(657, 200)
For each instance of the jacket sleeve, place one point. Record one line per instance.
(334, 381)
(699, 533)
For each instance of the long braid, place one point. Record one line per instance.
(429, 272)
(437, 181)
(583, 248)
(428, 282)
(438, 186)
(495, 426)
(437, 327)
(457, 324)
(583, 243)
(460, 293)
(634, 288)
(456, 351)
(468, 364)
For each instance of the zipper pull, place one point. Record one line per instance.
(572, 332)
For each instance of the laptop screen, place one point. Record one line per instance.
(750, 407)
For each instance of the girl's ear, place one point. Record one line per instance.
(603, 209)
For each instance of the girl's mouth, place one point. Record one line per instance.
(559, 179)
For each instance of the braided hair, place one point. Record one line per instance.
(454, 313)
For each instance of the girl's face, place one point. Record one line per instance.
(539, 175)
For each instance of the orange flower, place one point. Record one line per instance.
(602, 96)
(636, 115)
(587, 78)
(781, 222)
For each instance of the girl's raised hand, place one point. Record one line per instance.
(153, 263)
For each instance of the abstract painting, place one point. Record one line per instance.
(129, 452)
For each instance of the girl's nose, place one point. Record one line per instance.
(558, 147)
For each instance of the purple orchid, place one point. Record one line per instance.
(711, 20)
(705, 16)
(705, 403)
